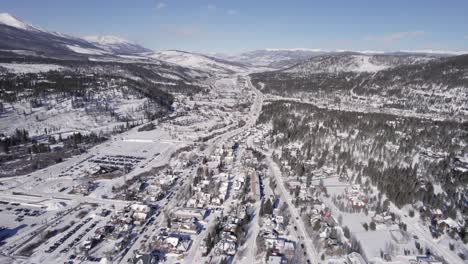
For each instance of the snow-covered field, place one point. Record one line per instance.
(30, 67)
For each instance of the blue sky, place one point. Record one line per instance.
(240, 25)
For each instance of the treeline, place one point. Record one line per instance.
(91, 92)
(20, 136)
(283, 83)
(72, 84)
(82, 80)
(34, 145)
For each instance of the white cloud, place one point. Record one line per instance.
(232, 12)
(394, 37)
(160, 5)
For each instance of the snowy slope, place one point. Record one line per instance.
(198, 61)
(9, 20)
(350, 62)
(281, 58)
(30, 68)
(116, 44)
(19, 35)
(275, 58)
(88, 51)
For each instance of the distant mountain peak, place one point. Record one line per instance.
(107, 40)
(296, 49)
(9, 20)
(116, 44)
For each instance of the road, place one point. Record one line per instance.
(250, 247)
(255, 111)
(195, 255)
(309, 247)
(424, 236)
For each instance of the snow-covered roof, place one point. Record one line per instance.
(173, 241)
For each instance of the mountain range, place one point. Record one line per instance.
(422, 81)
(23, 39)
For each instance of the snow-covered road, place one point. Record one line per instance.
(309, 247)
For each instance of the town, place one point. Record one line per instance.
(111, 152)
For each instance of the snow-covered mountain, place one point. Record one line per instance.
(420, 83)
(116, 44)
(282, 58)
(20, 37)
(354, 62)
(9, 20)
(273, 58)
(198, 61)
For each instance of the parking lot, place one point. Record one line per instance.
(20, 211)
(120, 161)
(70, 233)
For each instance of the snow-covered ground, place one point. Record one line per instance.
(59, 115)
(198, 61)
(30, 67)
(86, 51)
(349, 63)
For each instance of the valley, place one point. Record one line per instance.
(113, 153)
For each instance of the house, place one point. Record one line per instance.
(189, 213)
(383, 218)
(293, 185)
(355, 258)
(326, 233)
(275, 260)
(281, 244)
(145, 259)
(357, 203)
(85, 187)
(330, 221)
(139, 216)
(229, 236)
(437, 214)
(140, 208)
(226, 247)
(185, 227)
(192, 202)
(448, 223)
(184, 245)
(172, 241)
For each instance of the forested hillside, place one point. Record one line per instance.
(410, 160)
(420, 84)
